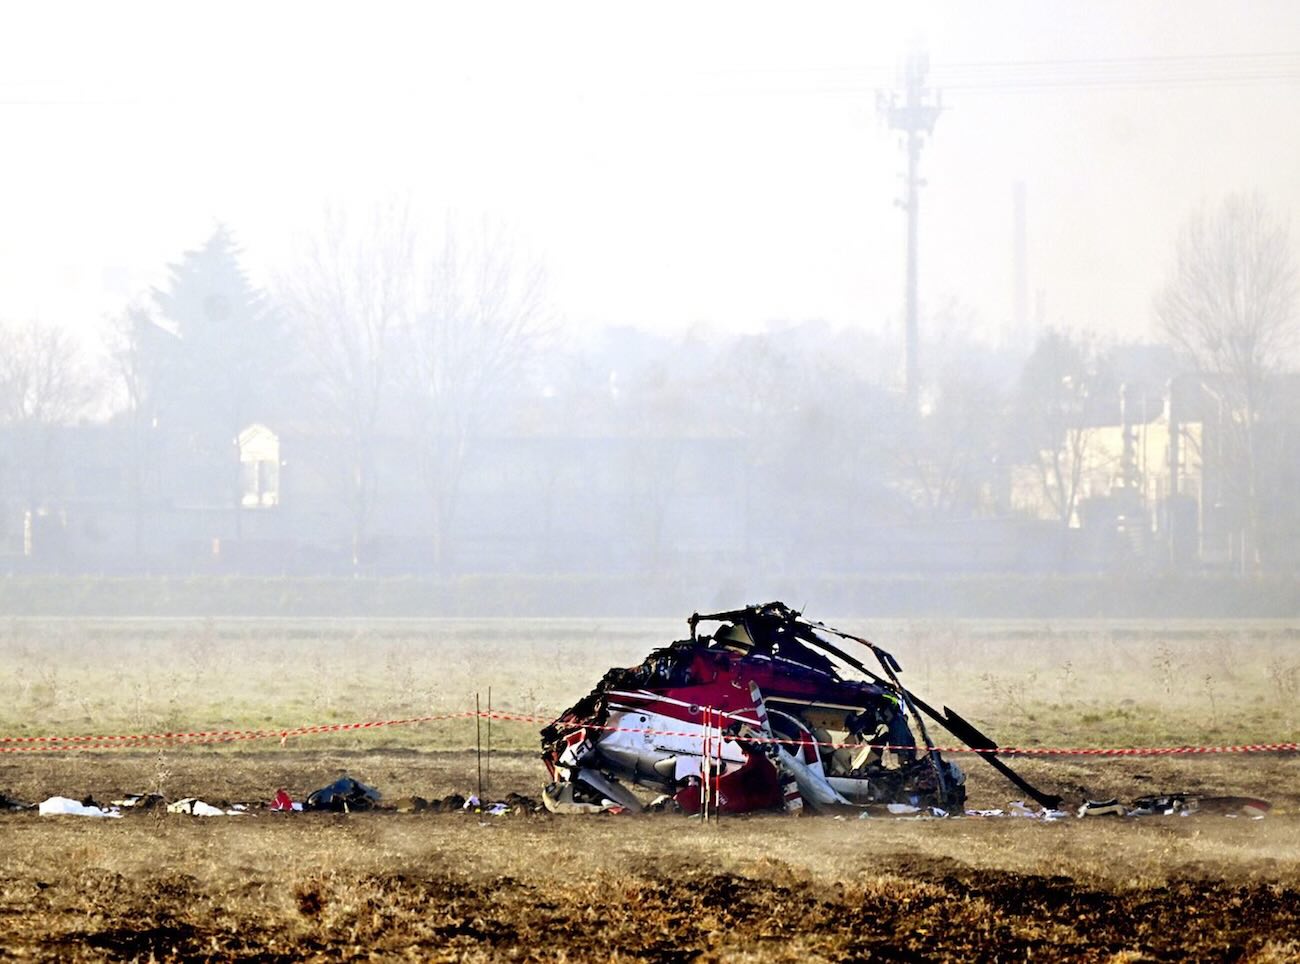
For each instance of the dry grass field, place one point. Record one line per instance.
(459, 886)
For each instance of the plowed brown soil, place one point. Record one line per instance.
(530, 886)
(932, 913)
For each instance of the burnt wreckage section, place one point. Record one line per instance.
(749, 718)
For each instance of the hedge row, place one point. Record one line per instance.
(983, 596)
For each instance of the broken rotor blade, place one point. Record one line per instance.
(959, 727)
(964, 730)
(887, 660)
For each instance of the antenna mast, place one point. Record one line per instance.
(913, 110)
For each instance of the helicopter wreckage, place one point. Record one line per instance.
(763, 714)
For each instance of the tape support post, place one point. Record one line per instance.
(60, 744)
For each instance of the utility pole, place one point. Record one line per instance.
(912, 110)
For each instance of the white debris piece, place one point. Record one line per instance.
(902, 808)
(57, 806)
(1019, 808)
(196, 807)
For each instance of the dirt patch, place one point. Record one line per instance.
(930, 914)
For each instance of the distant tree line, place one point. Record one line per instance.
(377, 331)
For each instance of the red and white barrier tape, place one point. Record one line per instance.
(51, 744)
(1002, 750)
(58, 744)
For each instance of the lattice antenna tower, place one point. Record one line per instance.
(913, 109)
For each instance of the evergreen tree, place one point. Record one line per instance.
(222, 365)
(218, 354)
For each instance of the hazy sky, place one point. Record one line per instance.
(671, 164)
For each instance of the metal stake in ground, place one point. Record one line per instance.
(489, 739)
(478, 747)
(717, 784)
(708, 758)
(718, 746)
(706, 764)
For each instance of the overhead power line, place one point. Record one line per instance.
(1174, 71)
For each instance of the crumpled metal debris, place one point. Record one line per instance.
(344, 795)
(1019, 809)
(140, 801)
(564, 797)
(764, 713)
(1177, 805)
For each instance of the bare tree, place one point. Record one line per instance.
(1062, 385)
(661, 416)
(140, 353)
(44, 386)
(944, 456)
(814, 425)
(1229, 306)
(42, 379)
(481, 318)
(348, 299)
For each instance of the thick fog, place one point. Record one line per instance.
(554, 300)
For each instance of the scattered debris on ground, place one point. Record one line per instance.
(1171, 804)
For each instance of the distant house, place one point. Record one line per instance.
(259, 467)
(1160, 480)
